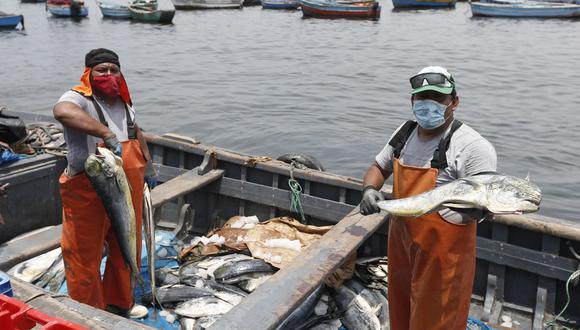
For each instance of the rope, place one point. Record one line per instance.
(296, 191)
(572, 277)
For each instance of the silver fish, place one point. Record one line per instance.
(105, 172)
(358, 312)
(375, 299)
(56, 267)
(252, 284)
(203, 306)
(498, 194)
(242, 267)
(302, 312)
(172, 294)
(34, 268)
(149, 233)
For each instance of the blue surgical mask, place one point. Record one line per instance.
(429, 114)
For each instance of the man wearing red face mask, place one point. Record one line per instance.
(99, 112)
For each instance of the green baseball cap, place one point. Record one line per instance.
(433, 78)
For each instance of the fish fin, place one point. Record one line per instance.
(458, 205)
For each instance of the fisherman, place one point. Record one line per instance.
(99, 111)
(431, 258)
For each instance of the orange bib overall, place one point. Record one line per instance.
(431, 262)
(85, 228)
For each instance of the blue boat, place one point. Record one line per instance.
(114, 10)
(525, 9)
(66, 8)
(10, 21)
(280, 4)
(398, 4)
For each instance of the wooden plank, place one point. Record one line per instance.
(182, 185)
(28, 246)
(283, 292)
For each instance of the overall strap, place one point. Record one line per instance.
(439, 160)
(131, 132)
(398, 141)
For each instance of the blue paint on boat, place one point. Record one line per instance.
(64, 11)
(10, 21)
(280, 4)
(421, 4)
(525, 9)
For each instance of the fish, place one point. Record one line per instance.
(187, 323)
(220, 290)
(57, 265)
(172, 294)
(56, 282)
(149, 233)
(358, 313)
(165, 276)
(33, 269)
(498, 194)
(190, 270)
(205, 322)
(248, 277)
(236, 268)
(303, 311)
(252, 284)
(375, 299)
(105, 172)
(203, 306)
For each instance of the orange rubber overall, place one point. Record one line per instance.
(85, 227)
(431, 262)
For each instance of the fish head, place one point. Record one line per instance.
(102, 162)
(512, 195)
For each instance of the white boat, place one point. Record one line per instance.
(114, 10)
(207, 4)
(525, 9)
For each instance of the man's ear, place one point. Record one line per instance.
(455, 102)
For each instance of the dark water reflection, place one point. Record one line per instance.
(269, 82)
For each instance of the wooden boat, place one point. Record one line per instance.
(525, 9)
(67, 8)
(399, 4)
(208, 4)
(280, 4)
(10, 21)
(149, 11)
(114, 10)
(248, 3)
(32, 1)
(523, 262)
(340, 9)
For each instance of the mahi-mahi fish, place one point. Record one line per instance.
(105, 172)
(149, 233)
(498, 194)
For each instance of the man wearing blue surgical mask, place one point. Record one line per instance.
(432, 257)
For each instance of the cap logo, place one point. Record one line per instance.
(425, 83)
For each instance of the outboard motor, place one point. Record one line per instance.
(75, 8)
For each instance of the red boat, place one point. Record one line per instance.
(341, 9)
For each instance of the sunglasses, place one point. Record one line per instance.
(432, 79)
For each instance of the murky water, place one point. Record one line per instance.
(268, 82)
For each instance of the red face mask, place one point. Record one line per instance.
(107, 85)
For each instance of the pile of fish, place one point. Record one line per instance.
(197, 292)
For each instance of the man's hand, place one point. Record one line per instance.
(370, 198)
(113, 144)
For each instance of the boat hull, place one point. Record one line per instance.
(322, 10)
(423, 4)
(11, 21)
(157, 16)
(207, 4)
(65, 11)
(280, 4)
(114, 10)
(504, 10)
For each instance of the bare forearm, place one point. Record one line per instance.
(375, 176)
(72, 116)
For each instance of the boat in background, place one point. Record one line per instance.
(67, 8)
(280, 4)
(414, 4)
(10, 21)
(208, 4)
(114, 10)
(340, 9)
(32, 1)
(151, 11)
(525, 9)
(248, 3)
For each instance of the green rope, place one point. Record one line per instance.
(555, 320)
(295, 203)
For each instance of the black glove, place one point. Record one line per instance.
(370, 198)
(113, 144)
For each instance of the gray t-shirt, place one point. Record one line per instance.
(469, 154)
(81, 145)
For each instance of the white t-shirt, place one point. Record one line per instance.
(81, 145)
(469, 154)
